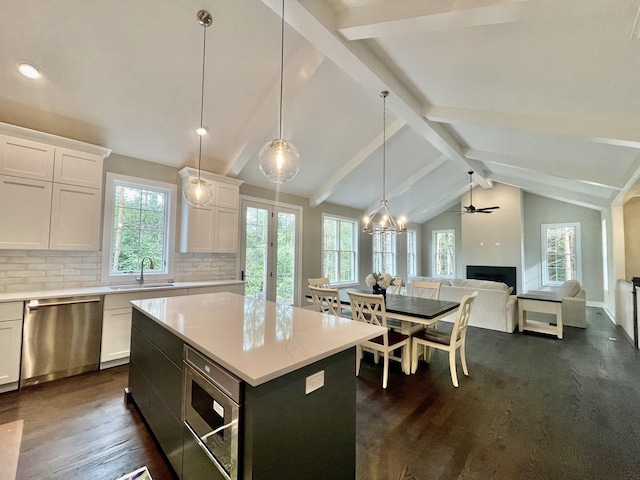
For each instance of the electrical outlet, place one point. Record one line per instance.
(314, 382)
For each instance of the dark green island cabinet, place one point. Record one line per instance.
(284, 432)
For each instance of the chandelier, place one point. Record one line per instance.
(381, 221)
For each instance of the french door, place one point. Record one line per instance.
(270, 250)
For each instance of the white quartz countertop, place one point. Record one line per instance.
(254, 339)
(108, 289)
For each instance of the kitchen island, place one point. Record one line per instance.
(296, 374)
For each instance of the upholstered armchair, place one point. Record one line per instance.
(574, 313)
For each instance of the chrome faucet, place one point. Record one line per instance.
(140, 279)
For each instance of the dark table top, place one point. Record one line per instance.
(406, 305)
(543, 298)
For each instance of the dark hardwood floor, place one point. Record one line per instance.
(534, 407)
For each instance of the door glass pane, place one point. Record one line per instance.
(286, 249)
(257, 244)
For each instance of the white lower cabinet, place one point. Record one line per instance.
(116, 324)
(239, 289)
(10, 344)
(116, 334)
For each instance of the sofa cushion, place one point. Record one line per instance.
(484, 284)
(570, 288)
(443, 281)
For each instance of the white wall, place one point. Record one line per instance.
(539, 210)
(494, 239)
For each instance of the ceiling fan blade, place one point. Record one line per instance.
(484, 209)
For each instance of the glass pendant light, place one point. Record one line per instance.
(279, 160)
(199, 192)
(381, 221)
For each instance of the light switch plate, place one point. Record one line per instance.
(314, 382)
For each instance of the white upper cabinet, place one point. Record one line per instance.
(50, 191)
(25, 210)
(26, 159)
(75, 218)
(77, 168)
(212, 228)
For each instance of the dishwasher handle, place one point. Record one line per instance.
(35, 304)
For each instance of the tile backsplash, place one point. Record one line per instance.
(26, 270)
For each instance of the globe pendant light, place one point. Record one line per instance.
(279, 160)
(199, 192)
(381, 221)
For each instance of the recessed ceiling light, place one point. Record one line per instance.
(202, 130)
(28, 70)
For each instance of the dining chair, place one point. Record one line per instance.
(326, 300)
(318, 282)
(396, 286)
(424, 289)
(450, 342)
(370, 309)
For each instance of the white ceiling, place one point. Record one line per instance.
(540, 94)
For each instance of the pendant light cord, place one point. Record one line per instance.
(281, 68)
(384, 143)
(204, 53)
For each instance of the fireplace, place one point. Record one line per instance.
(495, 274)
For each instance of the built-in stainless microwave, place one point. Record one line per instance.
(212, 411)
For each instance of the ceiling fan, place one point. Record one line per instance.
(471, 208)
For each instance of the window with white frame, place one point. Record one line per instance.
(412, 258)
(444, 253)
(384, 253)
(139, 222)
(561, 257)
(339, 249)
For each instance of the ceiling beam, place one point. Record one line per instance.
(318, 24)
(327, 188)
(522, 165)
(553, 192)
(435, 209)
(387, 18)
(412, 17)
(630, 188)
(601, 130)
(410, 182)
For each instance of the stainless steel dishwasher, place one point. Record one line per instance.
(61, 337)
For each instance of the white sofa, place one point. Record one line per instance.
(574, 304)
(494, 308)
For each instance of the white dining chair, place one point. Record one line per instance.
(370, 309)
(326, 300)
(425, 289)
(396, 286)
(449, 342)
(319, 282)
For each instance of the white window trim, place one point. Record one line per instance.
(544, 265)
(415, 253)
(434, 252)
(107, 230)
(605, 256)
(356, 243)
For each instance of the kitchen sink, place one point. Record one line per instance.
(144, 286)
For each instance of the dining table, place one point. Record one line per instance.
(408, 310)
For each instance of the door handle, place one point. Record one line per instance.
(35, 304)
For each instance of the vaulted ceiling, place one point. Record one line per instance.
(543, 95)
